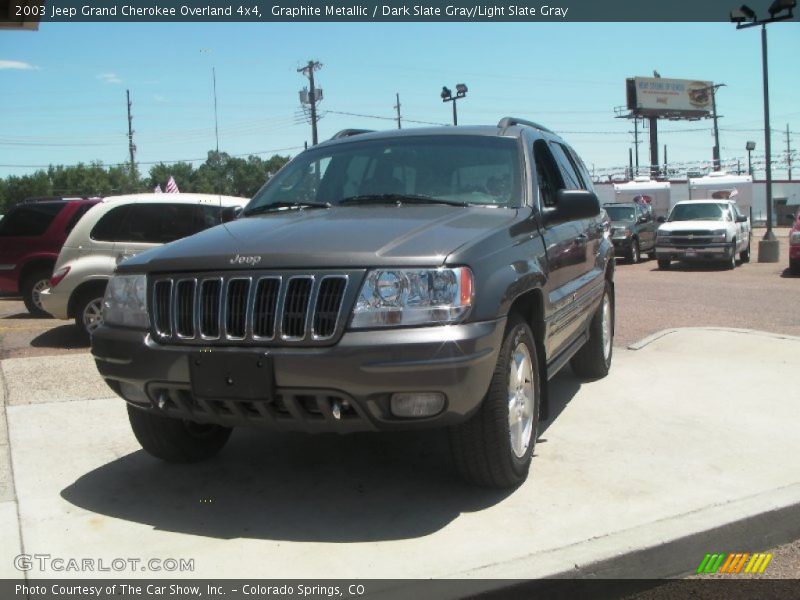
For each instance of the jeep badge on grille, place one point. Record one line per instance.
(245, 260)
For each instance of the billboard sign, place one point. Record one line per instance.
(669, 98)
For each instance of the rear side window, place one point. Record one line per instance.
(73, 220)
(155, 223)
(569, 172)
(30, 219)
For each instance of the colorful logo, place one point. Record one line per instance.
(741, 562)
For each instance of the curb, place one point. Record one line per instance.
(665, 332)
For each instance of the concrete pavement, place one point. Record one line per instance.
(689, 446)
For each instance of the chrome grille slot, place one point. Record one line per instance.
(295, 307)
(251, 309)
(162, 301)
(236, 308)
(329, 303)
(184, 308)
(265, 307)
(210, 291)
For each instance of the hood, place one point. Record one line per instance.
(338, 237)
(622, 223)
(692, 226)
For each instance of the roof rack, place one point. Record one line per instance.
(507, 122)
(350, 133)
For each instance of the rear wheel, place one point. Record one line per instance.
(794, 267)
(494, 447)
(593, 361)
(176, 440)
(663, 264)
(32, 286)
(89, 311)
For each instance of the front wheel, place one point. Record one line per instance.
(663, 264)
(494, 447)
(744, 255)
(176, 440)
(633, 256)
(593, 360)
(731, 264)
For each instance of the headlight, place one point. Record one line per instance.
(620, 231)
(125, 302)
(718, 235)
(403, 297)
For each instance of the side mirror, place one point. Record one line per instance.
(741, 219)
(230, 213)
(572, 205)
(661, 220)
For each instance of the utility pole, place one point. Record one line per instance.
(216, 127)
(397, 107)
(666, 171)
(636, 141)
(308, 71)
(788, 152)
(653, 147)
(131, 145)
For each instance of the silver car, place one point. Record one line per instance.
(115, 229)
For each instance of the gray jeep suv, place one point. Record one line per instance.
(380, 281)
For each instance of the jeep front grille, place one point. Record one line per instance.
(261, 309)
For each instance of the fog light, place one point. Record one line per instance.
(417, 404)
(133, 393)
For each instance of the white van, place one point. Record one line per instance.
(115, 229)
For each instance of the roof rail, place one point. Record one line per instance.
(507, 122)
(350, 133)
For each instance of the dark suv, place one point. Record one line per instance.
(31, 236)
(380, 281)
(633, 229)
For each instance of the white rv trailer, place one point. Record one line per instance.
(719, 185)
(646, 191)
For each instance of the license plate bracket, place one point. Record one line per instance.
(219, 375)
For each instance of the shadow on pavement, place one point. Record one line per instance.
(25, 315)
(295, 487)
(63, 336)
(698, 266)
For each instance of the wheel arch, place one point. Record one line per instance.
(530, 306)
(85, 287)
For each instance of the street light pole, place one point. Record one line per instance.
(744, 16)
(716, 156)
(770, 236)
(447, 96)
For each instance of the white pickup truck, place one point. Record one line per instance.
(703, 230)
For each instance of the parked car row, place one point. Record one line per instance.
(59, 254)
(693, 230)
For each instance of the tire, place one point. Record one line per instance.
(31, 287)
(634, 255)
(176, 440)
(88, 311)
(794, 267)
(663, 264)
(593, 360)
(651, 255)
(744, 255)
(495, 446)
(731, 264)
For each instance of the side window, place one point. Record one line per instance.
(161, 223)
(548, 173)
(569, 173)
(30, 219)
(73, 220)
(581, 168)
(110, 226)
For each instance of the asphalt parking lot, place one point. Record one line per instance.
(321, 521)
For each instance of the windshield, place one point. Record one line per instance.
(455, 169)
(620, 213)
(699, 212)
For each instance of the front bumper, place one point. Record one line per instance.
(622, 246)
(361, 372)
(717, 251)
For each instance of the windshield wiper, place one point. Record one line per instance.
(398, 199)
(257, 210)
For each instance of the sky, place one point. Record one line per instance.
(62, 88)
